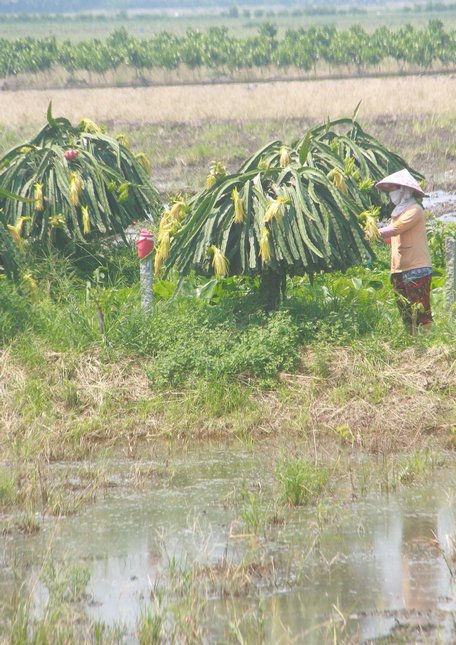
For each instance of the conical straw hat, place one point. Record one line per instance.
(400, 178)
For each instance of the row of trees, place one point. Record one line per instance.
(217, 49)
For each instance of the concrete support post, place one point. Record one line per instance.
(450, 282)
(146, 275)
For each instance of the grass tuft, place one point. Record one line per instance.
(300, 481)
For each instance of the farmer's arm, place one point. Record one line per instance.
(407, 220)
(386, 233)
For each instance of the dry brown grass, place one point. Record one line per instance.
(89, 405)
(342, 399)
(201, 103)
(405, 402)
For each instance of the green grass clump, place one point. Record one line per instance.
(413, 467)
(215, 398)
(150, 628)
(300, 481)
(7, 488)
(15, 311)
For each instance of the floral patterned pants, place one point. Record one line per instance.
(413, 298)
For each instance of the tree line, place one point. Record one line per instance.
(217, 49)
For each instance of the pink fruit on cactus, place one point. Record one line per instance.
(70, 155)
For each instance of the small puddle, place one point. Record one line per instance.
(365, 568)
(441, 205)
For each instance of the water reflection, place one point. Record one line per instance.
(387, 570)
(383, 556)
(408, 547)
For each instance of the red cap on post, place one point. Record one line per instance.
(145, 243)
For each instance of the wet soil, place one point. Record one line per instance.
(360, 568)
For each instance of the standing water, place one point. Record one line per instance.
(441, 205)
(206, 533)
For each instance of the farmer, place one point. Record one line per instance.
(411, 268)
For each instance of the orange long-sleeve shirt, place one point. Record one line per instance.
(409, 245)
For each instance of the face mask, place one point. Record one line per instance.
(396, 196)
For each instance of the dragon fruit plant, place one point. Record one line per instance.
(75, 183)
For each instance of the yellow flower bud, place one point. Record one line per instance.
(145, 162)
(87, 125)
(219, 262)
(338, 180)
(275, 209)
(239, 215)
(284, 156)
(38, 197)
(265, 249)
(75, 188)
(85, 220)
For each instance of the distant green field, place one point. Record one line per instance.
(81, 27)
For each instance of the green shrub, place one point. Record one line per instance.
(190, 338)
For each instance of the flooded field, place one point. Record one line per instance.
(442, 205)
(204, 550)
